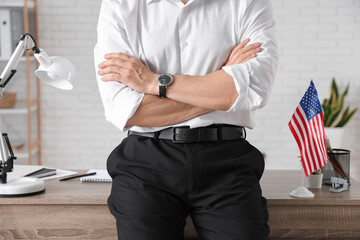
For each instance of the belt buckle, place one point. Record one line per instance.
(174, 135)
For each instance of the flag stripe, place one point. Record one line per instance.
(315, 132)
(305, 129)
(295, 131)
(314, 140)
(304, 145)
(321, 120)
(319, 139)
(315, 125)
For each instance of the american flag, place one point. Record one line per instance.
(307, 126)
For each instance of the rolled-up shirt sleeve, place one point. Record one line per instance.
(120, 102)
(254, 78)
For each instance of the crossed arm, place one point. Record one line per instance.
(188, 96)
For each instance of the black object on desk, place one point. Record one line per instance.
(78, 176)
(45, 172)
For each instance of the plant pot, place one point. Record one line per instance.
(335, 135)
(314, 181)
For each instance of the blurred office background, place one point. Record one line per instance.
(318, 39)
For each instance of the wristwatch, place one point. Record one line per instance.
(164, 81)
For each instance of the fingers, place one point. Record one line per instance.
(117, 55)
(115, 66)
(245, 54)
(252, 52)
(114, 59)
(242, 51)
(241, 45)
(112, 62)
(251, 47)
(110, 70)
(116, 70)
(110, 78)
(117, 75)
(248, 55)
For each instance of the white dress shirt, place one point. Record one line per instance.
(191, 39)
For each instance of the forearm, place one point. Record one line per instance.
(212, 91)
(154, 112)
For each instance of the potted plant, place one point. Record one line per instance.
(314, 180)
(335, 115)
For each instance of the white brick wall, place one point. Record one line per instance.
(318, 39)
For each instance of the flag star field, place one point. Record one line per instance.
(310, 103)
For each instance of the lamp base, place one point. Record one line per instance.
(21, 187)
(302, 192)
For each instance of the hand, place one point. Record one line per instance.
(128, 70)
(241, 54)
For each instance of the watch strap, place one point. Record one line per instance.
(162, 91)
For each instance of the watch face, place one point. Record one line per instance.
(165, 80)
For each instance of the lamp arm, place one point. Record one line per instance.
(27, 42)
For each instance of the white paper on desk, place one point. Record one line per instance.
(23, 170)
(60, 173)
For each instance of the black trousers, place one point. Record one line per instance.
(158, 183)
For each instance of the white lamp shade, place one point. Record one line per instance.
(58, 72)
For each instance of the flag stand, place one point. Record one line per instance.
(302, 191)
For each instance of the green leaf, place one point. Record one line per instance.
(334, 114)
(334, 88)
(337, 119)
(346, 90)
(325, 104)
(340, 100)
(346, 118)
(332, 99)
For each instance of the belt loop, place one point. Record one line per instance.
(156, 136)
(244, 131)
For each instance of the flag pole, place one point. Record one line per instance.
(302, 174)
(302, 191)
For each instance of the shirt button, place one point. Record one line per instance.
(186, 44)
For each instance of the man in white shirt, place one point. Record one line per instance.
(182, 76)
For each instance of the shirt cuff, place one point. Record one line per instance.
(241, 77)
(123, 107)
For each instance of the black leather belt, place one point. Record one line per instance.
(203, 134)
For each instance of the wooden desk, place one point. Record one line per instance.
(326, 216)
(74, 210)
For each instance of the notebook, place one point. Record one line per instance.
(101, 176)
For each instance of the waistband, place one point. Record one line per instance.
(216, 132)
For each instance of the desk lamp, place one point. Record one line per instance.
(56, 71)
